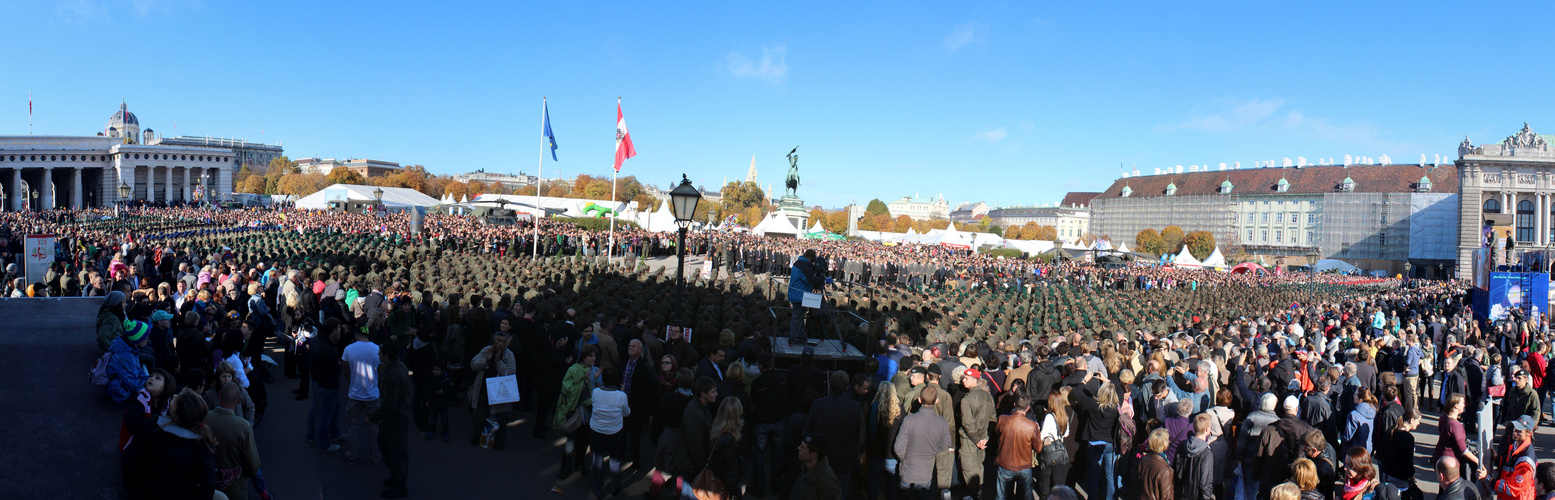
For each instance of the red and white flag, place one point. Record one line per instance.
(624, 147)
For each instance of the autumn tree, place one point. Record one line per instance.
(1013, 233)
(902, 223)
(1149, 242)
(705, 207)
(752, 216)
(596, 191)
(837, 222)
(816, 215)
(1172, 235)
(1200, 243)
(996, 230)
(1047, 233)
(743, 194)
(343, 175)
(300, 185)
(252, 184)
(281, 164)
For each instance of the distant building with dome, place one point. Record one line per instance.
(39, 172)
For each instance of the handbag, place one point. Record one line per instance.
(1497, 391)
(707, 486)
(574, 420)
(1054, 454)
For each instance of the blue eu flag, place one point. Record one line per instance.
(550, 138)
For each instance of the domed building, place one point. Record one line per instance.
(39, 172)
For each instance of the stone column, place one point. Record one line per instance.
(188, 184)
(47, 188)
(75, 188)
(167, 188)
(16, 190)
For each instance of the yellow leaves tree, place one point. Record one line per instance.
(300, 185)
(902, 223)
(343, 175)
(252, 184)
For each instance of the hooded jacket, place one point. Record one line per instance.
(1195, 470)
(1357, 430)
(125, 373)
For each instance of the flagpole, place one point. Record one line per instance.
(539, 179)
(614, 172)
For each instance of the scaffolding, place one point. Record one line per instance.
(1123, 218)
(1365, 226)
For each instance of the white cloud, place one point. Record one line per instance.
(994, 135)
(1229, 117)
(961, 36)
(78, 10)
(772, 67)
(1359, 133)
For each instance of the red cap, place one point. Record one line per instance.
(972, 372)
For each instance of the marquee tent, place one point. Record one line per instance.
(775, 224)
(1185, 259)
(394, 199)
(1326, 265)
(1215, 259)
(1249, 267)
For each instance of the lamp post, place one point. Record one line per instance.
(683, 200)
(377, 199)
(124, 193)
(1407, 268)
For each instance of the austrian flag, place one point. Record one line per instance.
(624, 147)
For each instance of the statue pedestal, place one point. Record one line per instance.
(792, 207)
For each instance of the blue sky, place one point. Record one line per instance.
(1009, 103)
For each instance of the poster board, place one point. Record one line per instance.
(707, 269)
(500, 390)
(812, 300)
(39, 256)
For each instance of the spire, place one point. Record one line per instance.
(750, 175)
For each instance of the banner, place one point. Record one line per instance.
(39, 256)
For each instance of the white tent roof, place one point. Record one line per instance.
(911, 232)
(1215, 259)
(392, 197)
(817, 228)
(1335, 265)
(775, 223)
(1186, 259)
(1032, 247)
(1123, 247)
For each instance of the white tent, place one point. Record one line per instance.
(986, 239)
(1123, 247)
(1031, 247)
(660, 221)
(1186, 259)
(1215, 259)
(775, 224)
(817, 228)
(395, 199)
(1326, 265)
(464, 199)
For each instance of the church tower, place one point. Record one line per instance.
(750, 175)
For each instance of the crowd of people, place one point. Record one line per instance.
(983, 376)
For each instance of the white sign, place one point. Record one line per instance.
(812, 300)
(39, 256)
(501, 390)
(707, 269)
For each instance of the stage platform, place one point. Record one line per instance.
(825, 349)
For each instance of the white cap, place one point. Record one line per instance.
(1292, 402)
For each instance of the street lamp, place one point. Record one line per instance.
(124, 190)
(1407, 268)
(683, 200)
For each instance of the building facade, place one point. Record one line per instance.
(1506, 188)
(931, 209)
(1377, 217)
(363, 167)
(254, 155)
(45, 172)
(968, 212)
(1071, 222)
(507, 181)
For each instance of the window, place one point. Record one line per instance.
(1525, 221)
(1295, 218)
(1492, 206)
(1279, 217)
(1266, 217)
(1311, 237)
(1279, 236)
(1311, 218)
(1311, 203)
(1266, 203)
(1264, 236)
(1249, 235)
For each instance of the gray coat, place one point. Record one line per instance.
(922, 435)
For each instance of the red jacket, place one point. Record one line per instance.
(1516, 477)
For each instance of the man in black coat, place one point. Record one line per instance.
(805, 376)
(712, 366)
(841, 420)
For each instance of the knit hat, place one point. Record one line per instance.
(135, 331)
(114, 298)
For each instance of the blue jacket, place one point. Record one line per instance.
(126, 376)
(799, 279)
(1357, 431)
